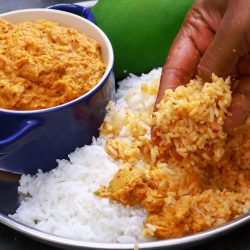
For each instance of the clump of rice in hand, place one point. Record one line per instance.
(189, 120)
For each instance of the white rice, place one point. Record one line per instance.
(61, 202)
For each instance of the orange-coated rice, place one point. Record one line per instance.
(201, 172)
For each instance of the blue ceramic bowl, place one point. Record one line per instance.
(32, 140)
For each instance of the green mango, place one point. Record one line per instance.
(141, 31)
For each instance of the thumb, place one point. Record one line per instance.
(240, 106)
(227, 47)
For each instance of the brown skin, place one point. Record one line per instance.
(214, 38)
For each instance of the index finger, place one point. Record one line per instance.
(186, 52)
(180, 66)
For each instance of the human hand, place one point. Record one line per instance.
(214, 38)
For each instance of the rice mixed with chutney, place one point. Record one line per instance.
(43, 64)
(191, 175)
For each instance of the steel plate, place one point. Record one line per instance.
(9, 202)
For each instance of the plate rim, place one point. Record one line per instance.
(67, 243)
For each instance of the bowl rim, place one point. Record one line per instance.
(108, 71)
(66, 243)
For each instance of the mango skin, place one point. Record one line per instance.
(141, 31)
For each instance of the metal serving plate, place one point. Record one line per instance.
(10, 201)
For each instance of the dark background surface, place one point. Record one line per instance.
(11, 240)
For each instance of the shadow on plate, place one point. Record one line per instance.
(8, 193)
